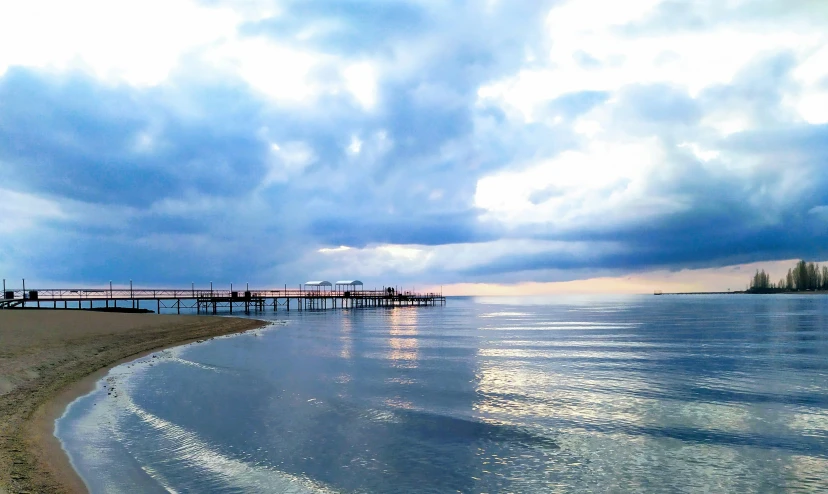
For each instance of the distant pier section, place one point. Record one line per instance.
(313, 295)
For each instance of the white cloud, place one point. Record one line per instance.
(593, 30)
(587, 127)
(287, 161)
(812, 74)
(279, 72)
(607, 182)
(621, 167)
(368, 262)
(355, 146)
(727, 122)
(360, 79)
(699, 152)
(813, 107)
(142, 43)
(20, 211)
(341, 248)
(139, 42)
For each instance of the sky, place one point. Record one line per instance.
(485, 146)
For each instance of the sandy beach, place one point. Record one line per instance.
(49, 357)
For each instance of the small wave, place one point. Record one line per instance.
(558, 327)
(455, 429)
(147, 462)
(185, 450)
(505, 314)
(199, 365)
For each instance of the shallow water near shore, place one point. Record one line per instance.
(587, 394)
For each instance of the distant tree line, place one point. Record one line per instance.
(802, 277)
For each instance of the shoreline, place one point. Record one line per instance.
(55, 357)
(806, 292)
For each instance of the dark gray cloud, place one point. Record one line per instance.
(436, 229)
(71, 137)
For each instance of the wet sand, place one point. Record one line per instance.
(50, 357)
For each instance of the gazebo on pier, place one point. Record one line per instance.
(318, 285)
(348, 286)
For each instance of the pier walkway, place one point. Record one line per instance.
(213, 301)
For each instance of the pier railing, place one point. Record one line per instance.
(212, 300)
(177, 293)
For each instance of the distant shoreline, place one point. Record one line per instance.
(696, 293)
(809, 292)
(51, 357)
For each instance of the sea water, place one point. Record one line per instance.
(563, 394)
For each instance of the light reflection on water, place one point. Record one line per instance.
(346, 339)
(583, 394)
(403, 341)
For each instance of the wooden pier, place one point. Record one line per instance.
(213, 301)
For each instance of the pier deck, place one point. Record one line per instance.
(213, 301)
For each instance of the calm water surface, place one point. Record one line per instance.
(565, 394)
